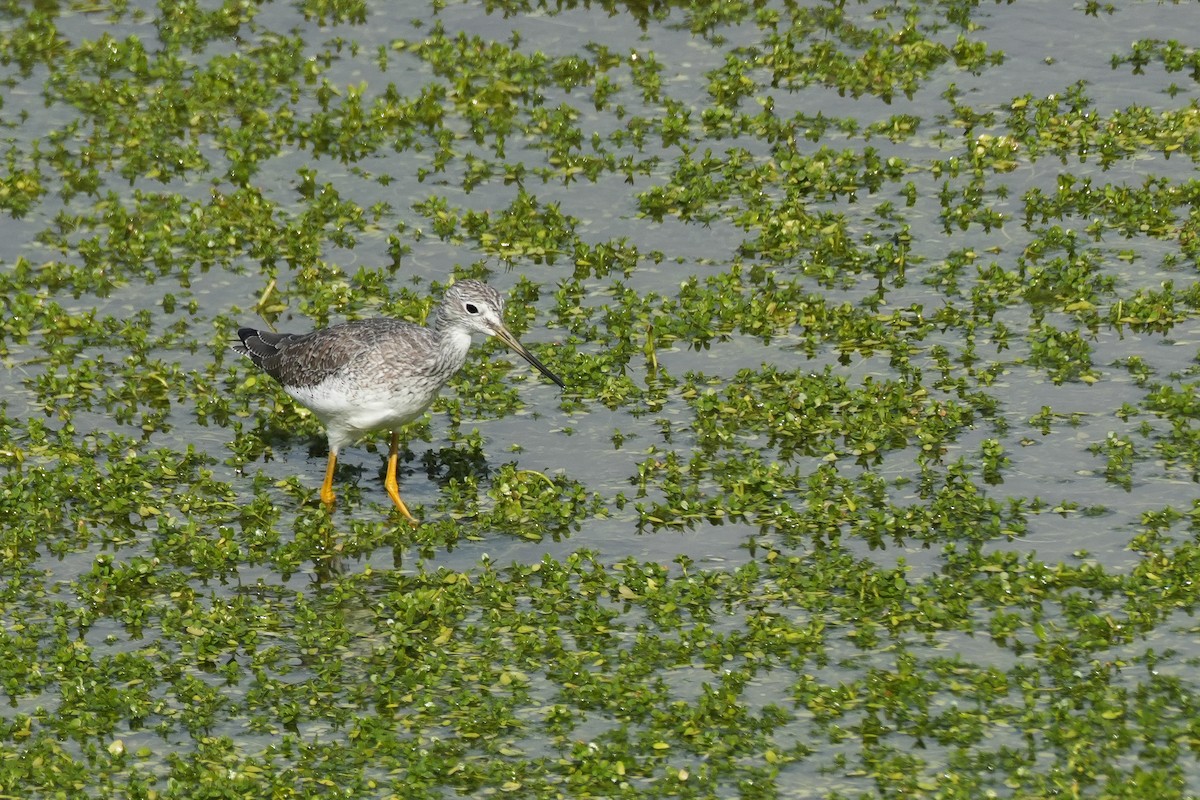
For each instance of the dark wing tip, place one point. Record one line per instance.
(242, 346)
(256, 344)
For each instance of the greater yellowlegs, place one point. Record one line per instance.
(378, 374)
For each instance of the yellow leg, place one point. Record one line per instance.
(327, 486)
(389, 481)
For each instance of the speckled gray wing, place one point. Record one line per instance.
(303, 360)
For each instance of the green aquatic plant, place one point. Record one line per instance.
(859, 316)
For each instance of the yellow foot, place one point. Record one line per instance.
(394, 492)
(327, 486)
(389, 479)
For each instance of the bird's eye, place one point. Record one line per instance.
(471, 308)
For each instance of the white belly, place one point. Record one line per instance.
(349, 413)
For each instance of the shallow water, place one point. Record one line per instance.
(672, 604)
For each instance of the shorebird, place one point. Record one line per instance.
(379, 374)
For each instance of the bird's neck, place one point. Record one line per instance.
(453, 344)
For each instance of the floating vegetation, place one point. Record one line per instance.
(875, 472)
